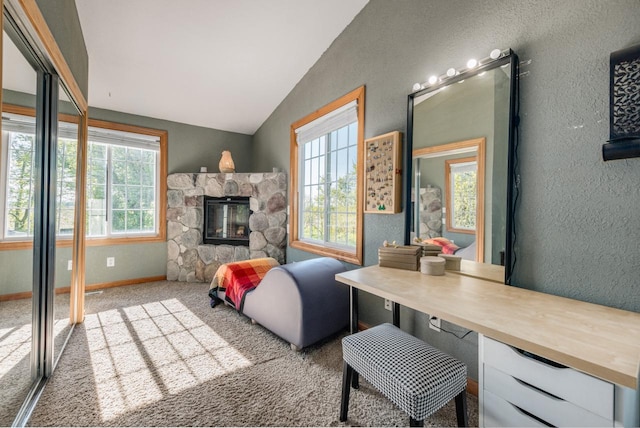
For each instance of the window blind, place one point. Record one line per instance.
(26, 125)
(18, 123)
(337, 119)
(121, 138)
(460, 168)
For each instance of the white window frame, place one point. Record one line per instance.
(129, 140)
(29, 128)
(325, 150)
(321, 122)
(453, 168)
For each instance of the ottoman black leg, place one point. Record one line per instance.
(415, 423)
(347, 374)
(461, 409)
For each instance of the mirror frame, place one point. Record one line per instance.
(511, 59)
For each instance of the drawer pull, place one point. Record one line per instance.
(497, 412)
(531, 415)
(541, 391)
(541, 359)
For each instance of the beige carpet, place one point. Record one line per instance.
(157, 355)
(15, 350)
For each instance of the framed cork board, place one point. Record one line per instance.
(383, 173)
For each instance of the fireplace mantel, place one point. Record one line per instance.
(188, 259)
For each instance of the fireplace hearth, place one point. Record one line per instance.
(226, 221)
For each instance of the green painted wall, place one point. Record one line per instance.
(131, 261)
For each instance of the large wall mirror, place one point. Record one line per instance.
(461, 132)
(41, 208)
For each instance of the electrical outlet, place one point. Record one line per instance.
(69, 264)
(434, 323)
(111, 261)
(387, 304)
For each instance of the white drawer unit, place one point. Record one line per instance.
(551, 409)
(520, 389)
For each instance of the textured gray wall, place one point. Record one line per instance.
(578, 221)
(62, 19)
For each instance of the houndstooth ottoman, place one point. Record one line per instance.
(414, 375)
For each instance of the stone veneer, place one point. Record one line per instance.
(430, 212)
(188, 259)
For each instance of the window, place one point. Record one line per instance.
(126, 174)
(326, 147)
(18, 149)
(122, 184)
(461, 199)
(19, 211)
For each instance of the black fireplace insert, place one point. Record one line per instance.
(226, 220)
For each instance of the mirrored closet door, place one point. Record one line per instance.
(39, 239)
(17, 157)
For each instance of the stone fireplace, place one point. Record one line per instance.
(188, 257)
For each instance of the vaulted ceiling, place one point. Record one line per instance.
(223, 64)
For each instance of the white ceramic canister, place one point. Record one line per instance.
(431, 265)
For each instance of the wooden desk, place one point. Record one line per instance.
(598, 340)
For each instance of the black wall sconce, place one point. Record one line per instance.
(624, 105)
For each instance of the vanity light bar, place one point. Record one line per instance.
(495, 55)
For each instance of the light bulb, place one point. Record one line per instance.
(472, 63)
(433, 79)
(451, 72)
(495, 54)
(417, 86)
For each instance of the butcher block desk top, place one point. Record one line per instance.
(598, 340)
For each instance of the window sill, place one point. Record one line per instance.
(90, 242)
(465, 231)
(99, 242)
(345, 256)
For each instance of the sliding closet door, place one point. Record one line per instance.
(40, 194)
(38, 164)
(18, 368)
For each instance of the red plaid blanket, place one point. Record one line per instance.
(237, 278)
